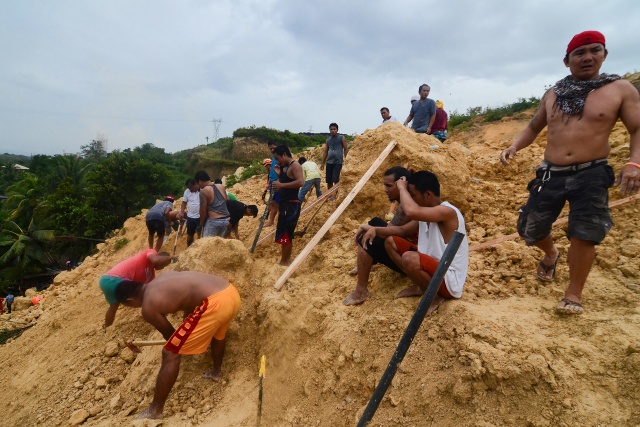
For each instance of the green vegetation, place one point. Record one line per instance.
(459, 121)
(120, 243)
(253, 169)
(290, 139)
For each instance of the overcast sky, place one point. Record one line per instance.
(155, 71)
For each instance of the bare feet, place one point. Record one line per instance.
(151, 412)
(356, 298)
(411, 291)
(437, 300)
(354, 271)
(269, 224)
(213, 376)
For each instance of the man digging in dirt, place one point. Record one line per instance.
(139, 268)
(371, 249)
(580, 111)
(212, 303)
(434, 221)
(288, 186)
(158, 219)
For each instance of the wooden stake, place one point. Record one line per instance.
(334, 216)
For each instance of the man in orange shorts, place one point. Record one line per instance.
(435, 222)
(212, 302)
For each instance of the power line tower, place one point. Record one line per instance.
(216, 128)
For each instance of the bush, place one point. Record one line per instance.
(457, 121)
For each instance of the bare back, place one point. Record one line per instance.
(180, 291)
(580, 139)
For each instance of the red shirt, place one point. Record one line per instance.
(440, 123)
(138, 268)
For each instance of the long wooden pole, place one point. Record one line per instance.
(334, 216)
(560, 221)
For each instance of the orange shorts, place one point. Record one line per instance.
(209, 320)
(427, 264)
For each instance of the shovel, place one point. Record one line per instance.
(304, 230)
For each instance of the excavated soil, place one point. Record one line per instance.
(500, 356)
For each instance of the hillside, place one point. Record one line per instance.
(500, 356)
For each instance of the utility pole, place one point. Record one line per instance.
(207, 139)
(216, 128)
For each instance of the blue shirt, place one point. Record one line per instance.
(422, 112)
(273, 175)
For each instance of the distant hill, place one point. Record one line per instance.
(15, 158)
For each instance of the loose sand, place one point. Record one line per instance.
(500, 356)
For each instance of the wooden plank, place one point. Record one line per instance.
(560, 221)
(311, 205)
(334, 216)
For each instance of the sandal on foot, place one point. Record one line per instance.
(544, 270)
(567, 306)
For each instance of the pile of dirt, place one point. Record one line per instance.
(499, 356)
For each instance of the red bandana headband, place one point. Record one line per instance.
(585, 37)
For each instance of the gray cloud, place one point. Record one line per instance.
(159, 72)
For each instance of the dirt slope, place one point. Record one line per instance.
(500, 356)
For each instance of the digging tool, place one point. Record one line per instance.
(265, 215)
(142, 343)
(261, 373)
(304, 230)
(178, 233)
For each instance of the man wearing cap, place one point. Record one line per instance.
(580, 111)
(440, 123)
(158, 219)
(423, 111)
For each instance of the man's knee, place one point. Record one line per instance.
(169, 357)
(390, 244)
(411, 260)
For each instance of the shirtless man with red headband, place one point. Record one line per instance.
(580, 111)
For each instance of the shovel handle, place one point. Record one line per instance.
(141, 343)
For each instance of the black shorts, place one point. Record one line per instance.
(288, 216)
(376, 249)
(156, 226)
(193, 225)
(333, 173)
(588, 196)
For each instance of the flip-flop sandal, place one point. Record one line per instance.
(567, 306)
(547, 269)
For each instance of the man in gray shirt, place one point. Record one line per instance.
(335, 151)
(423, 112)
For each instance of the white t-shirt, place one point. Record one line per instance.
(193, 203)
(431, 242)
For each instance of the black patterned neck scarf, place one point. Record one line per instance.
(571, 94)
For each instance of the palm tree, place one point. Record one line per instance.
(24, 235)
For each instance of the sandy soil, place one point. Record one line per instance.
(500, 356)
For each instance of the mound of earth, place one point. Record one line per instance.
(499, 356)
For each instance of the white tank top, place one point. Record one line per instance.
(431, 242)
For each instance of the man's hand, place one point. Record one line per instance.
(507, 155)
(361, 230)
(628, 179)
(368, 237)
(133, 347)
(322, 167)
(277, 185)
(402, 183)
(428, 130)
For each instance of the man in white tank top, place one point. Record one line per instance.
(435, 222)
